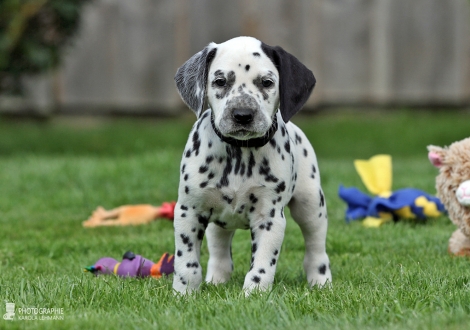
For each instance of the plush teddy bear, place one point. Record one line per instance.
(453, 188)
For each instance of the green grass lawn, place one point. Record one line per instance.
(53, 174)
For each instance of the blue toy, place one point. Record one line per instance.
(407, 203)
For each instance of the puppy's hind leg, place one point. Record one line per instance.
(308, 208)
(220, 265)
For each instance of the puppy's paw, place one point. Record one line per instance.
(188, 281)
(258, 280)
(318, 273)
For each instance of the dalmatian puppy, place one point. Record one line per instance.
(244, 162)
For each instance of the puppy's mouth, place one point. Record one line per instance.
(244, 134)
(242, 137)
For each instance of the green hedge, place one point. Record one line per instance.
(32, 35)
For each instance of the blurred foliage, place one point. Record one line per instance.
(32, 35)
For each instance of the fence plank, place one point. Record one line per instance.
(424, 51)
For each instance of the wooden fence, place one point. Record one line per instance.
(363, 52)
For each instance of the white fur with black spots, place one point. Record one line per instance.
(244, 162)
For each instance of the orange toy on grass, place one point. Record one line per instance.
(130, 215)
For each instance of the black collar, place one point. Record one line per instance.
(251, 143)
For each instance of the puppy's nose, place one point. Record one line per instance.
(243, 116)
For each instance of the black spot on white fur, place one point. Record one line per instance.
(265, 170)
(227, 199)
(280, 187)
(227, 170)
(203, 169)
(192, 265)
(200, 234)
(253, 198)
(251, 164)
(287, 146)
(203, 220)
(186, 241)
(322, 198)
(220, 223)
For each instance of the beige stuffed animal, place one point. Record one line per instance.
(453, 188)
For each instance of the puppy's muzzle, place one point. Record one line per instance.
(243, 116)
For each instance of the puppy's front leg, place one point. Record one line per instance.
(267, 235)
(189, 232)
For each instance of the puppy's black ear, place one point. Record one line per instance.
(191, 78)
(296, 81)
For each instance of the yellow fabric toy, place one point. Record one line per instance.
(376, 174)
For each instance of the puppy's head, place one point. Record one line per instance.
(244, 82)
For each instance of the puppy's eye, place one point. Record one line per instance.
(221, 82)
(267, 83)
